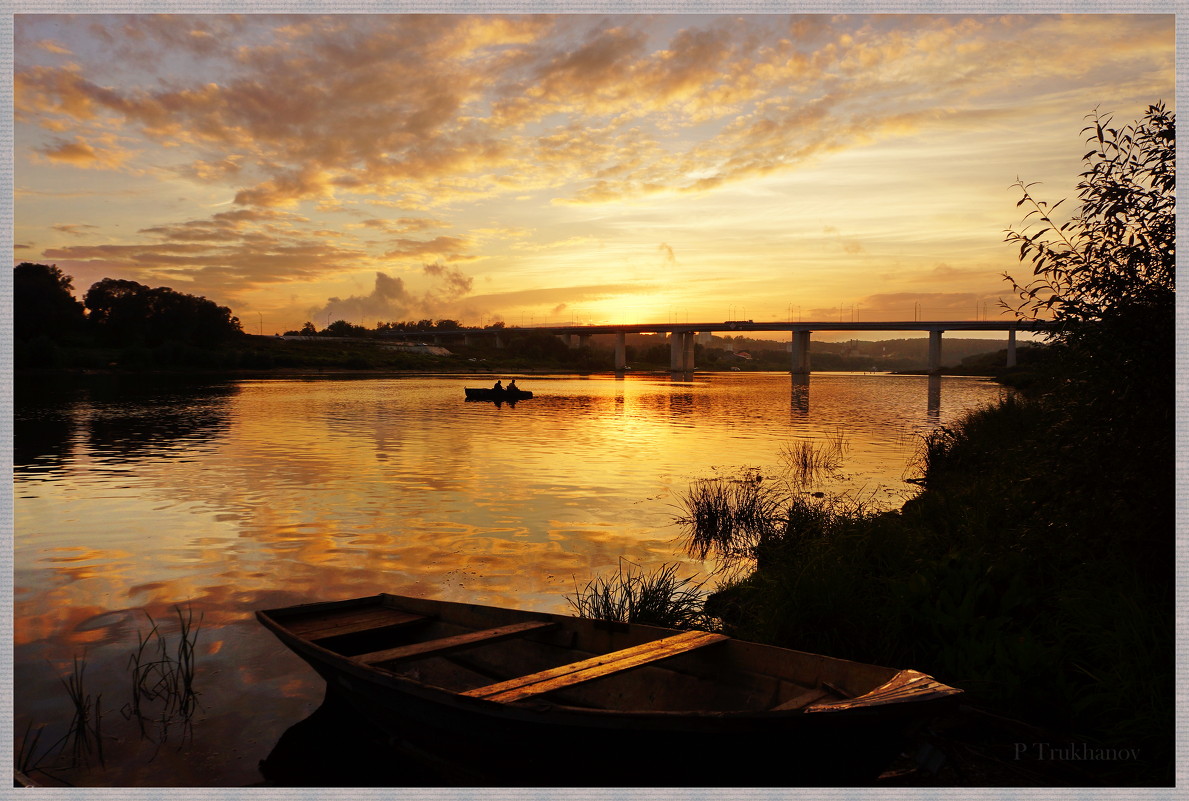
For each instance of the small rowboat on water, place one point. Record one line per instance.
(489, 394)
(529, 698)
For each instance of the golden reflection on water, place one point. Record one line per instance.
(329, 487)
(257, 494)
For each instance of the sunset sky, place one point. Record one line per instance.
(572, 168)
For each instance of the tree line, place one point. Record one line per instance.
(114, 313)
(342, 328)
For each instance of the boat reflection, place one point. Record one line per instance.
(334, 747)
(496, 402)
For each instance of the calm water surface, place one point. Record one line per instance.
(135, 498)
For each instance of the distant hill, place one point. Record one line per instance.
(859, 355)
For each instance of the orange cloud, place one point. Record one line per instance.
(392, 300)
(53, 47)
(75, 229)
(449, 247)
(402, 225)
(287, 189)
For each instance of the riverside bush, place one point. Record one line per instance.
(1036, 567)
(993, 579)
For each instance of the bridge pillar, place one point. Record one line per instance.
(934, 352)
(621, 351)
(801, 352)
(681, 351)
(583, 340)
(1011, 348)
(499, 341)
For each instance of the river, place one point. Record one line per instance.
(168, 502)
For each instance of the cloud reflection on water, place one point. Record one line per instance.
(281, 492)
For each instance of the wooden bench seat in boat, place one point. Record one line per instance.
(445, 645)
(804, 699)
(595, 667)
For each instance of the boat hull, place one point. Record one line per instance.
(488, 394)
(543, 748)
(548, 740)
(479, 393)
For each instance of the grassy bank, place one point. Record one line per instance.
(1034, 570)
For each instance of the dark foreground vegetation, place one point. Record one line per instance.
(1036, 568)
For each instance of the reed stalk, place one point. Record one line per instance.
(140, 669)
(86, 721)
(731, 517)
(27, 759)
(168, 679)
(183, 679)
(808, 460)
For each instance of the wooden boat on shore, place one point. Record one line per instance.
(536, 699)
(489, 394)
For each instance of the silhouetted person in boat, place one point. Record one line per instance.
(512, 385)
(499, 386)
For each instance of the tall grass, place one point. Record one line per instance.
(731, 517)
(27, 759)
(88, 715)
(83, 736)
(162, 692)
(808, 460)
(736, 519)
(165, 682)
(630, 595)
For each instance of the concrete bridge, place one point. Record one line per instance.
(682, 336)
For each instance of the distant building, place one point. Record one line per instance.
(417, 347)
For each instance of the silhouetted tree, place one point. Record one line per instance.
(127, 313)
(43, 303)
(342, 328)
(1107, 276)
